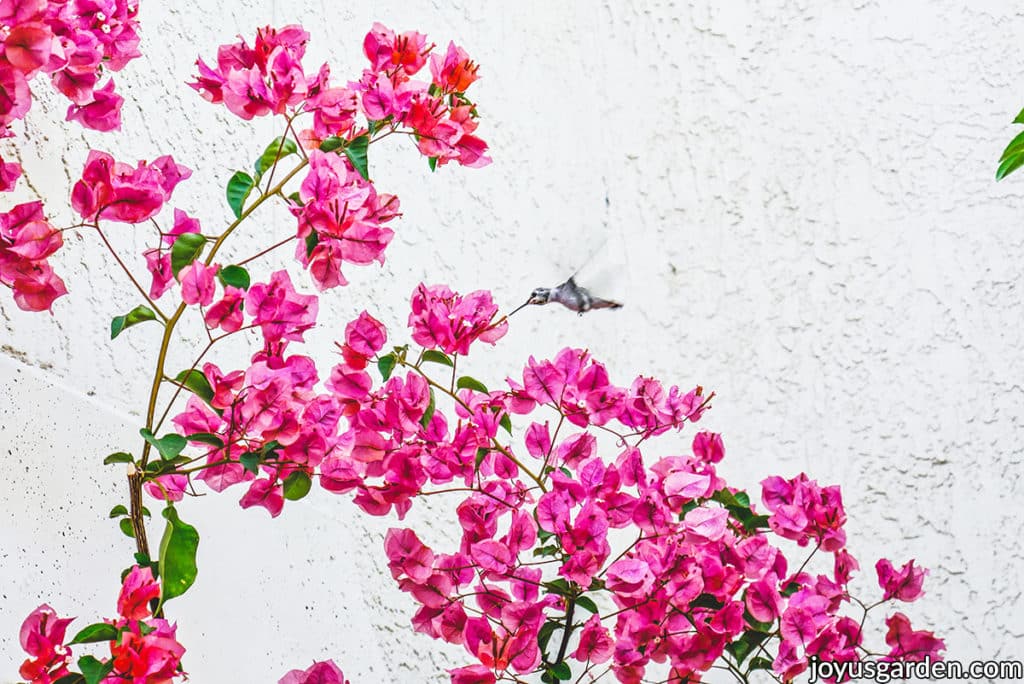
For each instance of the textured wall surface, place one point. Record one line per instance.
(801, 197)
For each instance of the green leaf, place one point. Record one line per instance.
(466, 382)
(1014, 146)
(235, 276)
(137, 315)
(544, 635)
(206, 438)
(101, 631)
(312, 240)
(118, 510)
(558, 586)
(429, 413)
(356, 151)
(549, 550)
(432, 163)
(119, 457)
(186, 248)
(239, 187)
(1009, 165)
(196, 382)
(506, 422)
(742, 498)
(331, 144)
(177, 556)
(250, 460)
(759, 664)
(756, 522)
(706, 601)
(586, 603)
(481, 454)
(790, 589)
(126, 527)
(73, 678)
(169, 446)
(277, 150)
(94, 670)
(386, 364)
(746, 645)
(561, 671)
(1020, 117)
(297, 485)
(435, 356)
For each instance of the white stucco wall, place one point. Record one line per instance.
(805, 191)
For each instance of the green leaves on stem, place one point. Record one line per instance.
(235, 276)
(276, 151)
(177, 556)
(1013, 156)
(355, 149)
(186, 248)
(239, 187)
(137, 315)
(169, 446)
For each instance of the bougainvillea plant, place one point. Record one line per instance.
(589, 540)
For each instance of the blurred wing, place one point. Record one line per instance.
(605, 272)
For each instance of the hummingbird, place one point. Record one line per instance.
(571, 296)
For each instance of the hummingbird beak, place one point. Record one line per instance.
(521, 306)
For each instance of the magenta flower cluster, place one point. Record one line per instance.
(73, 42)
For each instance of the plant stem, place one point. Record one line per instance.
(567, 632)
(135, 479)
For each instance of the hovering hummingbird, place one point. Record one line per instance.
(571, 296)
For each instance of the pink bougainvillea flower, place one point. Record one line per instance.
(802, 510)
(280, 311)
(168, 487)
(137, 590)
(226, 313)
(907, 644)
(472, 674)
(903, 585)
(445, 320)
(389, 52)
(256, 81)
(120, 192)
(42, 637)
(10, 172)
(455, 71)
(324, 672)
(103, 113)
(147, 651)
(158, 263)
(26, 240)
(596, 644)
(340, 219)
(198, 283)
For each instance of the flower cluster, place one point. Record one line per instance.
(260, 425)
(442, 118)
(42, 637)
(27, 239)
(445, 320)
(341, 218)
(143, 648)
(72, 42)
(116, 191)
(340, 214)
